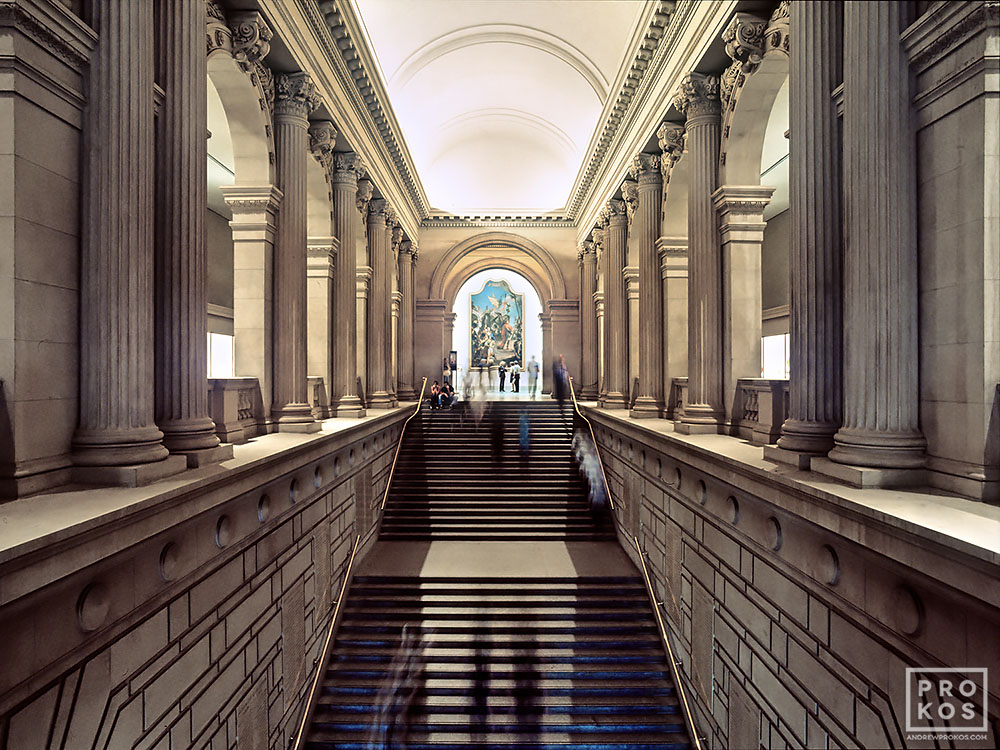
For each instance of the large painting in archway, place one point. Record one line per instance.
(497, 330)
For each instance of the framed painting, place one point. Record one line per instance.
(497, 330)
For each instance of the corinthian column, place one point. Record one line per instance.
(344, 400)
(181, 249)
(378, 301)
(295, 98)
(646, 225)
(588, 321)
(614, 307)
(117, 441)
(699, 101)
(815, 386)
(394, 236)
(600, 308)
(407, 260)
(881, 399)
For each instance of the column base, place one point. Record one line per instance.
(348, 406)
(868, 477)
(135, 475)
(128, 447)
(811, 438)
(879, 450)
(406, 393)
(646, 407)
(614, 401)
(779, 455)
(380, 400)
(700, 419)
(207, 456)
(185, 436)
(588, 393)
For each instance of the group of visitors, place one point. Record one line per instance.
(442, 396)
(515, 375)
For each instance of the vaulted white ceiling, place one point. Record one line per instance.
(498, 99)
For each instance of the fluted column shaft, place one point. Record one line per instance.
(699, 100)
(378, 301)
(646, 225)
(295, 99)
(816, 385)
(116, 271)
(615, 307)
(588, 322)
(602, 312)
(881, 398)
(181, 249)
(393, 237)
(344, 399)
(407, 259)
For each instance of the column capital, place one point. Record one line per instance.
(378, 208)
(698, 96)
(587, 252)
(322, 139)
(295, 95)
(646, 168)
(348, 167)
(630, 196)
(616, 212)
(397, 235)
(407, 247)
(250, 200)
(363, 195)
(251, 38)
(672, 138)
(598, 237)
(744, 38)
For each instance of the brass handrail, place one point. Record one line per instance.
(665, 637)
(399, 444)
(600, 461)
(325, 652)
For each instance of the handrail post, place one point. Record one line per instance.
(671, 659)
(325, 651)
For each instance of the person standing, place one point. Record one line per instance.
(502, 372)
(559, 378)
(532, 376)
(515, 377)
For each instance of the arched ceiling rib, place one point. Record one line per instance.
(498, 101)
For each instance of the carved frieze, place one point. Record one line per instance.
(322, 139)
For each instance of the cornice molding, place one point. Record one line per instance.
(52, 27)
(944, 27)
(486, 222)
(662, 32)
(336, 25)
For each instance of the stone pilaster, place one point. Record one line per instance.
(407, 260)
(881, 426)
(699, 101)
(377, 396)
(295, 98)
(117, 440)
(394, 234)
(674, 272)
(366, 190)
(344, 400)
(181, 248)
(587, 258)
(615, 321)
(599, 235)
(646, 226)
(816, 382)
(741, 233)
(321, 258)
(548, 352)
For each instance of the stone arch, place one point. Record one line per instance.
(477, 253)
(247, 118)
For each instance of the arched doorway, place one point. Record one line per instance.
(528, 306)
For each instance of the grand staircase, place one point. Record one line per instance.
(455, 481)
(467, 657)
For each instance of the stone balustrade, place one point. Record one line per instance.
(760, 408)
(237, 408)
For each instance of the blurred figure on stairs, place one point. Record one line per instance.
(395, 702)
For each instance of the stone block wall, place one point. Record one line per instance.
(191, 620)
(795, 613)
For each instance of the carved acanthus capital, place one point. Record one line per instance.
(672, 138)
(698, 95)
(646, 168)
(347, 167)
(630, 196)
(251, 39)
(322, 139)
(377, 207)
(218, 35)
(744, 38)
(397, 234)
(777, 32)
(587, 252)
(617, 212)
(364, 194)
(295, 95)
(390, 216)
(603, 217)
(597, 235)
